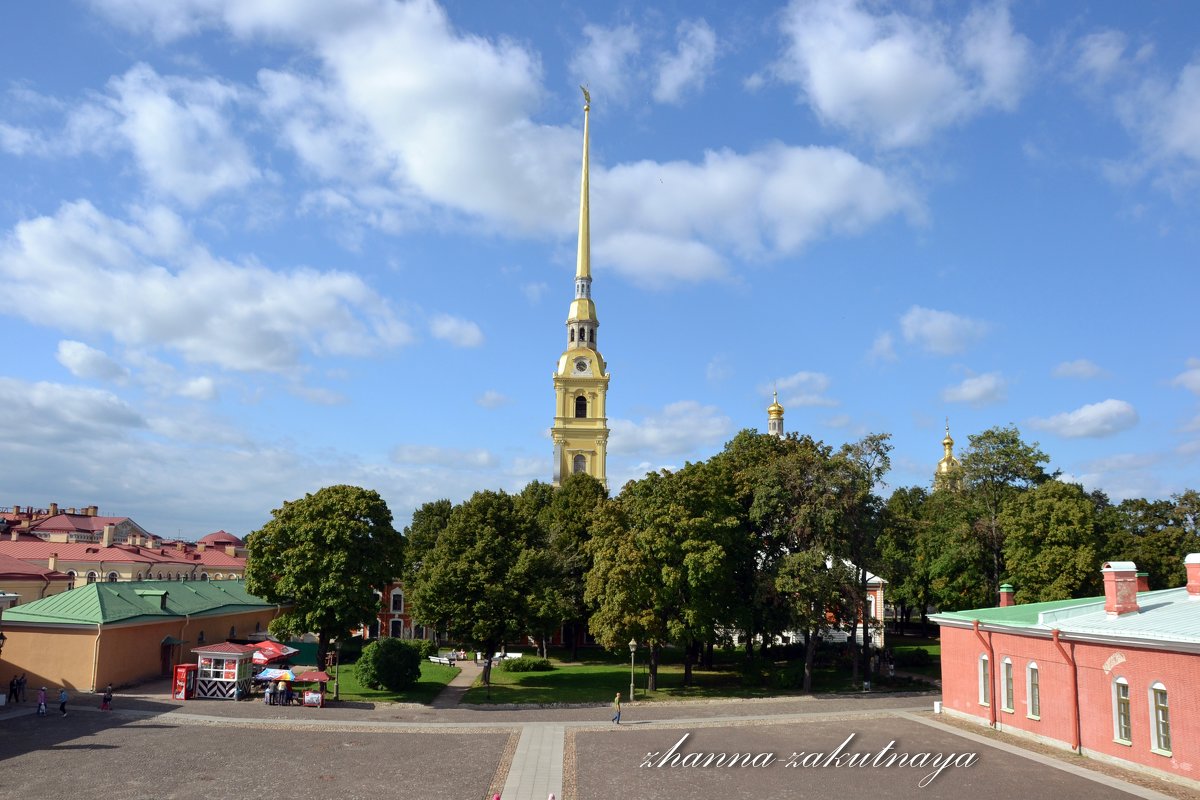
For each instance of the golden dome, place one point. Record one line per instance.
(775, 410)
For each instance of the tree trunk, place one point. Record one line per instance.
(708, 655)
(810, 658)
(322, 648)
(652, 678)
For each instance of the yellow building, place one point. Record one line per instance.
(949, 471)
(580, 431)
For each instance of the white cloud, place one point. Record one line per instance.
(88, 362)
(1095, 420)
(801, 389)
(442, 456)
(718, 370)
(162, 290)
(978, 390)
(1190, 377)
(896, 78)
(940, 332)
(534, 292)
(605, 62)
(689, 66)
(1079, 368)
(458, 332)
(679, 429)
(492, 399)
(1099, 55)
(883, 348)
(51, 415)
(202, 388)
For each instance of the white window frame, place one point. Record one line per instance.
(985, 688)
(1117, 702)
(1033, 691)
(1006, 685)
(1160, 719)
(92, 577)
(392, 607)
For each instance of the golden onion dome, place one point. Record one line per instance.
(775, 410)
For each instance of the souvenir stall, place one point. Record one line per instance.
(224, 670)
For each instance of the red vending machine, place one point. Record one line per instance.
(184, 685)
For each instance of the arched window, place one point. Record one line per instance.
(579, 464)
(397, 601)
(112, 577)
(592, 336)
(200, 638)
(1033, 691)
(139, 576)
(1006, 686)
(1160, 719)
(218, 576)
(580, 407)
(985, 682)
(572, 334)
(91, 577)
(1122, 722)
(204, 577)
(71, 575)
(160, 577)
(232, 631)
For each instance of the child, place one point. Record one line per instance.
(106, 700)
(41, 711)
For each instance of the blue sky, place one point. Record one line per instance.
(250, 249)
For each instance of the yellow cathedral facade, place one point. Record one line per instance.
(580, 431)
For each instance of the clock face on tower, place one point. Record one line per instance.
(581, 365)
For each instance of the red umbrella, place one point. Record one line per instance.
(268, 651)
(314, 675)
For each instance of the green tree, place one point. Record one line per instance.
(816, 588)
(1053, 543)
(568, 521)
(388, 663)
(468, 583)
(958, 557)
(422, 534)
(996, 465)
(905, 554)
(1154, 535)
(660, 572)
(325, 553)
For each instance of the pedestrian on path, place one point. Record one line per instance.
(21, 688)
(62, 700)
(41, 709)
(617, 706)
(12, 690)
(106, 700)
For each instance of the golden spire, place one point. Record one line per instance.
(948, 475)
(583, 263)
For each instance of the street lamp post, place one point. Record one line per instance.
(632, 652)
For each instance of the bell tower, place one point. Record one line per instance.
(580, 431)
(949, 470)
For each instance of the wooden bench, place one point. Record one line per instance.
(441, 660)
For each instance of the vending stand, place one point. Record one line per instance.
(184, 685)
(224, 670)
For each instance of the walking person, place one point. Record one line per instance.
(62, 700)
(12, 690)
(21, 688)
(106, 700)
(617, 706)
(41, 709)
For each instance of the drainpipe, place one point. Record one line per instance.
(96, 657)
(1070, 659)
(991, 676)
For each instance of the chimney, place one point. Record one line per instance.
(200, 547)
(1120, 587)
(231, 550)
(70, 510)
(1006, 595)
(107, 537)
(15, 533)
(52, 564)
(1143, 579)
(1192, 562)
(91, 510)
(53, 509)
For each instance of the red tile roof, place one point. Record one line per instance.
(34, 549)
(220, 538)
(227, 648)
(16, 569)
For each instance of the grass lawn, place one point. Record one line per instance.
(900, 645)
(599, 680)
(434, 677)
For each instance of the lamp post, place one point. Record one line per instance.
(632, 651)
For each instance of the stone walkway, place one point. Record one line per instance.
(452, 694)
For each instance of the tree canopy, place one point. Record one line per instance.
(325, 553)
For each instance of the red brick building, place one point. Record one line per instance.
(1115, 677)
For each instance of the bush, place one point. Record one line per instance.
(789, 677)
(526, 664)
(425, 647)
(917, 657)
(390, 664)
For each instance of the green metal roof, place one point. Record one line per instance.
(1017, 615)
(135, 601)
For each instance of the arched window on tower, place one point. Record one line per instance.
(572, 334)
(592, 336)
(580, 407)
(579, 464)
